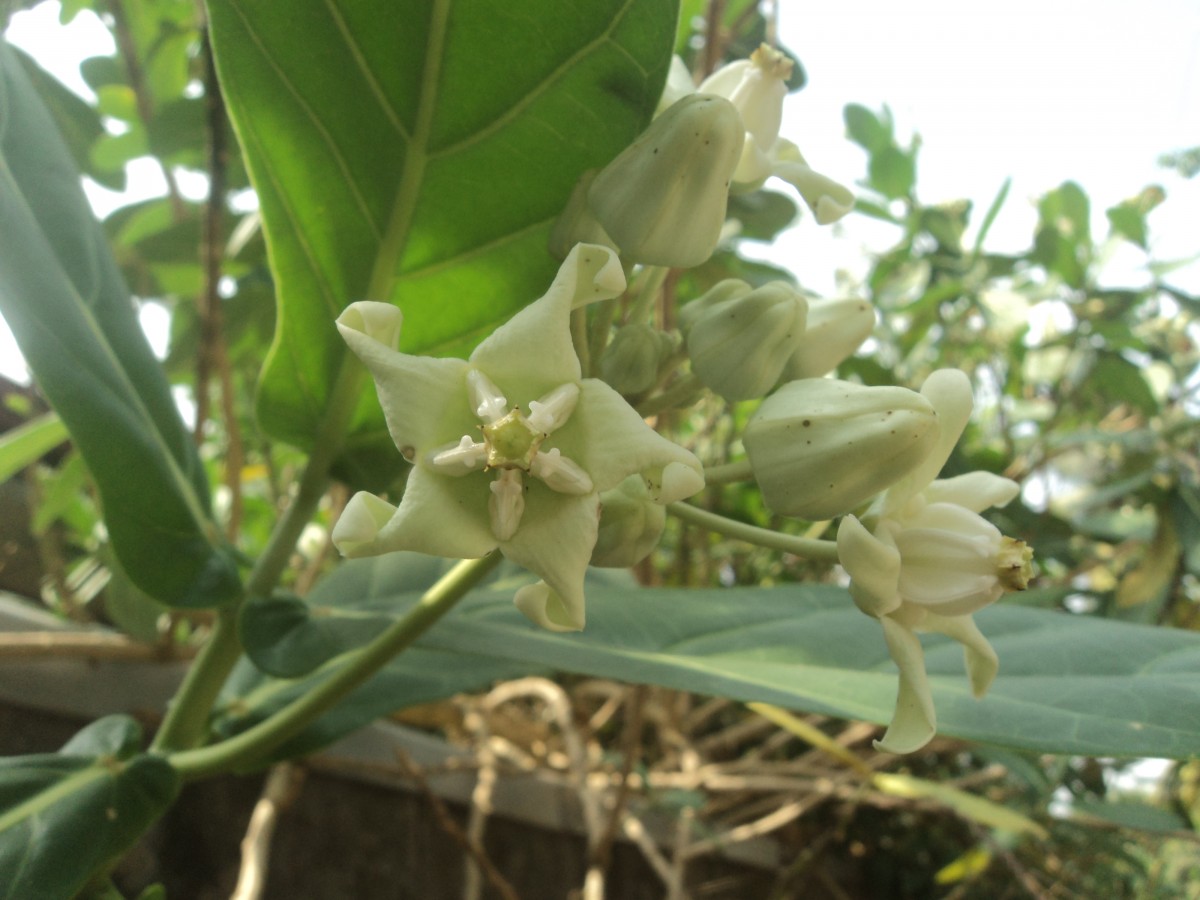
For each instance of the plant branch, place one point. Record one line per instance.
(809, 548)
(253, 744)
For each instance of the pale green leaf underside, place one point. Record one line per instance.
(1067, 684)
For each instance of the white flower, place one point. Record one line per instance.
(511, 447)
(931, 561)
(757, 87)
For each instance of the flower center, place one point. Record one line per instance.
(1014, 564)
(512, 443)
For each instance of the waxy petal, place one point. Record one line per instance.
(873, 566)
(487, 401)
(914, 722)
(828, 200)
(555, 542)
(544, 607)
(949, 392)
(532, 353)
(611, 441)
(979, 656)
(423, 399)
(551, 412)
(561, 473)
(975, 491)
(437, 515)
(507, 504)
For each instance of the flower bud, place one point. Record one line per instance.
(740, 343)
(576, 224)
(821, 447)
(631, 362)
(631, 524)
(663, 199)
(835, 329)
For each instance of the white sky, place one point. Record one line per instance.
(1040, 90)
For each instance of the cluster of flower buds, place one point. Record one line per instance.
(635, 358)
(663, 200)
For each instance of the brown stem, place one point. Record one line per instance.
(213, 354)
(127, 47)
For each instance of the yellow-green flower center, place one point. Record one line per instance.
(511, 442)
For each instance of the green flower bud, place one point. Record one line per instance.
(836, 328)
(821, 447)
(631, 524)
(739, 343)
(576, 224)
(663, 199)
(631, 362)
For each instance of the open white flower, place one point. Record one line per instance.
(757, 87)
(511, 447)
(930, 561)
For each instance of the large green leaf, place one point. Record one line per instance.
(1068, 684)
(64, 299)
(65, 815)
(418, 153)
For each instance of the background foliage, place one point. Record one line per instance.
(367, 186)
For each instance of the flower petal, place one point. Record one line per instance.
(438, 515)
(914, 722)
(544, 607)
(378, 321)
(532, 352)
(981, 660)
(555, 542)
(607, 437)
(828, 200)
(359, 525)
(949, 392)
(423, 399)
(975, 491)
(873, 566)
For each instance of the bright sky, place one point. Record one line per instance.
(1040, 90)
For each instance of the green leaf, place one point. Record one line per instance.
(872, 133)
(429, 171)
(1068, 684)
(892, 172)
(65, 816)
(77, 122)
(64, 299)
(763, 214)
(23, 445)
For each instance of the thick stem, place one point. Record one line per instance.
(809, 548)
(254, 743)
(187, 717)
(729, 472)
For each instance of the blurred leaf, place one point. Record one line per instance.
(112, 151)
(974, 862)
(989, 217)
(1185, 510)
(1120, 381)
(64, 299)
(118, 101)
(892, 172)
(763, 214)
(872, 133)
(1154, 575)
(1063, 243)
(66, 816)
(77, 122)
(969, 806)
(425, 173)
(23, 445)
(1129, 814)
(1070, 684)
(1128, 219)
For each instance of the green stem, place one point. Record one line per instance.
(678, 394)
(809, 548)
(579, 338)
(602, 320)
(650, 282)
(186, 721)
(251, 745)
(729, 472)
